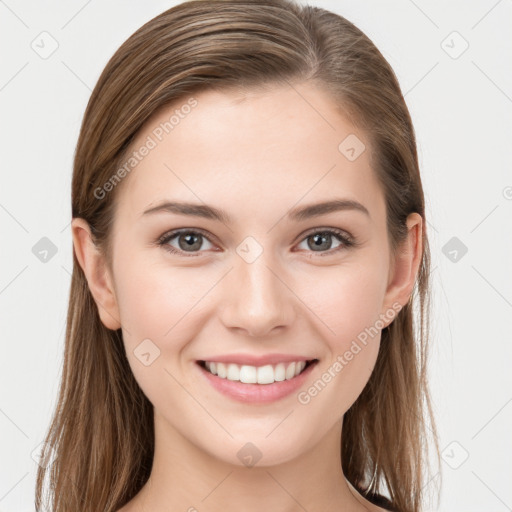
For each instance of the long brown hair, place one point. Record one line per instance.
(101, 436)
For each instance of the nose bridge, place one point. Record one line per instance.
(257, 300)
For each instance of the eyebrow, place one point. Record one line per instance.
(296, 214)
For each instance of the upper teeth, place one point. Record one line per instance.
(256, 374)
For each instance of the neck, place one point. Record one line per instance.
(185, 477)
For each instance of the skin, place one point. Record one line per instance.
(257, 156)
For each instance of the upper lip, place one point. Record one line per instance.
(253, 360)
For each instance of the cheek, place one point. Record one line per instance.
(157, 302)
(347, 304)
(347, 299)
(158, 309)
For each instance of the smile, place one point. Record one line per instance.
(267, 374)
(256, 384)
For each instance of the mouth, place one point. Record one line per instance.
(257, 384)
(259, 375)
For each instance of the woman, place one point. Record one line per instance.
(249, 242)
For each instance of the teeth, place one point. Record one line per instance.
(248, 374)
(290, 371)
(267, 374)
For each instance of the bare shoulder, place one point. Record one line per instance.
(127, 508)
(133, 505)
(376, 508)
(371, 507)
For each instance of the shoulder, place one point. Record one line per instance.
(380, 504)
(373, 502)
(127, 508)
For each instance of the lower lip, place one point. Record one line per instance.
(257, 393)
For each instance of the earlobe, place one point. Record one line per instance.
(405, 264)
(95, 269)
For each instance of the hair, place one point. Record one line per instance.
(101, 435)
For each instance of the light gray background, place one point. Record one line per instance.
(461, 106)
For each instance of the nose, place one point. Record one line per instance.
(257, 299)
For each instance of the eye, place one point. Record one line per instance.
(190, 241)
(323, 239)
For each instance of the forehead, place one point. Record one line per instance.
(285, 145)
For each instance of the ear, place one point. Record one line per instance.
(405, 265)
(96, 272)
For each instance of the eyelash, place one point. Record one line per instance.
(347, 241)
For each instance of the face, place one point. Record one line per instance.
(272, 277)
